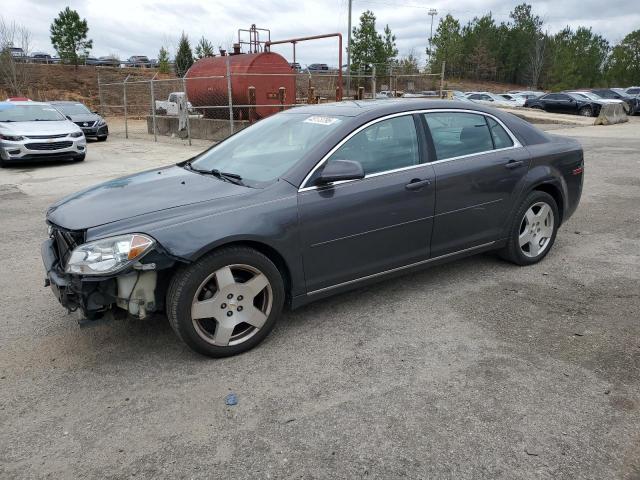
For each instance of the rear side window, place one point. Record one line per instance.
(501, 138)
(456, 134)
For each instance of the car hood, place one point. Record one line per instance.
(138, 194)
(84, 117)
(56, 127)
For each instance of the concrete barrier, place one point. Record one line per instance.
(611, 113)
(201, 128)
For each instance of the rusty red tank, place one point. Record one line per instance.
(266, 71)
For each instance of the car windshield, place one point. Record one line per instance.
(266, 150)
(72, 108)
(28, 113)
(589, 95)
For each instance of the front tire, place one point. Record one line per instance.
(227, 302)
(586, 112)
(533, 230)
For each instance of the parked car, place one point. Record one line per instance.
(18, 53)
(308, 203)
(91, 124)
(487, 98)
(318, 67)
(597, 98)
(296, 67)
(565, 103)
(170, 106)
(41, 57)
(108, 61)
(632, 91)
(19, 99)
(421, 94)
(37, 131)
(527, 93)
(618, 94)
(517, 98)
(139, 61)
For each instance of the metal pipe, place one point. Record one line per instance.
(186, 105)
(230, 96)
(268, 44)
(153, 110)
(124, 101)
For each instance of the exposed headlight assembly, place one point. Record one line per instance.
(101, 122)
(76, 134)
(109, 255)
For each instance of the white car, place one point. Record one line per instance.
(487, 98)
(517, 98)
(37, 131)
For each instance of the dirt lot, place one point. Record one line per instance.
(476, 369)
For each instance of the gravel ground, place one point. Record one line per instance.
(475, 369)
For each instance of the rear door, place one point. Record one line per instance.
(353, 229)
(480, 169)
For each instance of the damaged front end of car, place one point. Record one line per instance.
(129, 272)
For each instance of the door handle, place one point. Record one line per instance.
(511, 164)
(417, 184)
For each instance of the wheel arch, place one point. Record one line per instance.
(267, 250)
(553, 190)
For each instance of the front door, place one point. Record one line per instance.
(353, 229)
(479, 172)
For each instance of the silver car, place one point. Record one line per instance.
(37, 131)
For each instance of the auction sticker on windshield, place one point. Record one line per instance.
(321, 120)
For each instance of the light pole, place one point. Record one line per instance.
(348, 51)
(432, 13)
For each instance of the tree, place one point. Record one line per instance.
(447, 46)
(203, 49)
(163, 61)
(184, 56)
(368, 47)
(13, 70)
(69, 36)
(408, 65)
(624, 63)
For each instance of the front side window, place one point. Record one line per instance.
(386, 145)
(456, 134)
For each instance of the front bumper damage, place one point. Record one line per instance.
(139, 290)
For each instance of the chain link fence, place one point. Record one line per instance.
(213, 107)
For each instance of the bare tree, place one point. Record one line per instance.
(15, 42)
(536, 59)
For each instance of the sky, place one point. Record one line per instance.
(141, 27)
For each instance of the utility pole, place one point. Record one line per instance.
(349, 51)
(432, 13)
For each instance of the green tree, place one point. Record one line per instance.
(163, 61)
(408, 65)
(184, 56)
(368, 47)
(448, 47)
(203, 49)
(69, 36)
(624, 63)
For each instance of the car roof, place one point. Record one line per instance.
(355, 108)
(66, 102)
(24, 102)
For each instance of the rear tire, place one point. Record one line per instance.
(533, 229)
(227, 302)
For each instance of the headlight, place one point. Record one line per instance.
(108, 255)
(11, 138)
(76, 134)
(101, 122)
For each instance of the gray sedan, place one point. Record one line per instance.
(309, 203)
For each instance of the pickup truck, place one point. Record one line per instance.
(170, 106)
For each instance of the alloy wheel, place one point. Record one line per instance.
(536, 229)
(231, 305)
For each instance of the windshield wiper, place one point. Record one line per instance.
(224, 176)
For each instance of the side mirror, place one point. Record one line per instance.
(338, 170)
